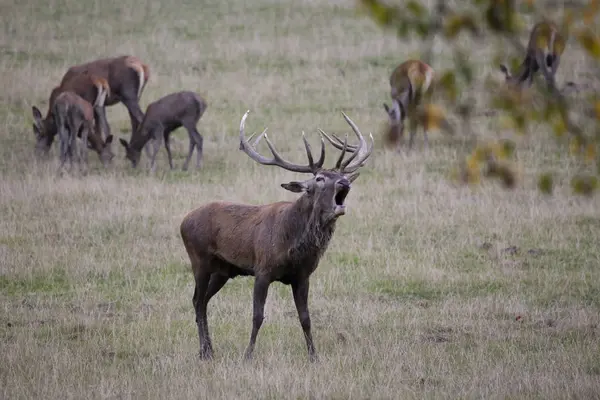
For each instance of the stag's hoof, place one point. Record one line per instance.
(206, 354)
(313, 358)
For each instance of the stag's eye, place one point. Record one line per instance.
(320, 179)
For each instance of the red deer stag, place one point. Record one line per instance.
(127, 77)
(92, 89)
(73, 115)
(277, 242)
(162, 117)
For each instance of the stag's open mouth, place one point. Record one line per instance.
(339, 198)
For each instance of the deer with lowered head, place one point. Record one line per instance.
(73, 115)
(162, 117)
(93, 90)
(409, 82)
(277, 242)
(544, 50)
(127, 77)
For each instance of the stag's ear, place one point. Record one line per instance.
(353, 176)
(123, 142)
(296, 187)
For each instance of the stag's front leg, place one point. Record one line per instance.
(202, 279)
(261, 289)
(300, 292)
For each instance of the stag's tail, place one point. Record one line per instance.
(142, 71)
(103, 90)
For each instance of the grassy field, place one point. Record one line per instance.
(427, 290)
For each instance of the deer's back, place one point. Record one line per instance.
(71, 101)
(175, 107)
(236, 233)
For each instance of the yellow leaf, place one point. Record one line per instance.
(546, 183)
(590, 152)
(597, 109)
(559, 127)
(589, 41)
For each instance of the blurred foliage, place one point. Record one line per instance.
(503, 24)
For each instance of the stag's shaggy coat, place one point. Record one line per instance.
(282, 241)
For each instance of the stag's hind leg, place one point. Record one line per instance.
(202, 279)
(300, 292)
(261, 289)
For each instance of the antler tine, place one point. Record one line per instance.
(341, 158)
(315, 166)
(362, 151)
(337, 143)
(276, 160)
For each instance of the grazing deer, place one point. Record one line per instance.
(127, 77)
(409, 82)
(281, 241)
(545, 47)
(93, 90)
(162, 117)
(73, 116)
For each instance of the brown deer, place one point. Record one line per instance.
(73, 115)
(544, 50)
(409, 82)
(277, 242)
(92, 89)
(127, 77)
(162, 117)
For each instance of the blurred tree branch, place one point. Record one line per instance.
(498, 21)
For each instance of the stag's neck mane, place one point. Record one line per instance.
(306, 235)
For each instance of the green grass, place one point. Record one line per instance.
(427, 290)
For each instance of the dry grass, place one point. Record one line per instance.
(416, 296)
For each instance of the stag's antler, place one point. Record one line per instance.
(248, 148)
(361, 151)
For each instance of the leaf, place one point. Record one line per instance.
(584, 184)
(416, 8)
(546, 183)
(448, 83)
(456, 23)
(589, 41)
(434, 117)
(559, 127)
(590, 152)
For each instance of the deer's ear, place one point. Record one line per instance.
(109, 139)
(296, 187)
(37, 115)
(123, 142)
(387, 109)
(504, 70)
(36, 130)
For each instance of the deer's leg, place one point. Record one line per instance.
(84, 148)
(158, 136)
(135, 112)
(166, 137)
(426, 138)
(261, 289)
(540, 59)
(300, 292)
(217, 281)
(195, 140)
(101, 126)
(202, 279)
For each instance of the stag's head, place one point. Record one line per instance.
(42, 131)
(327, 189)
